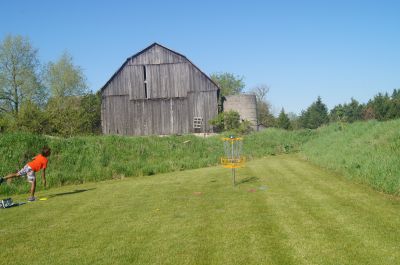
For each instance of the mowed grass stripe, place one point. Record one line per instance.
(304, 216)
(334, 217)
(350, 203)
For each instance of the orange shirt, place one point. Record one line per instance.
(38, 163)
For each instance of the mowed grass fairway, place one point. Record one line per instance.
(283, 211)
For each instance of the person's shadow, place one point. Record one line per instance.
(69, 193)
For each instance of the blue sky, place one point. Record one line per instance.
(301, 49)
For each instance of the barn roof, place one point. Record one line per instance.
(146, 49)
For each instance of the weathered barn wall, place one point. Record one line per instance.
(145, 117)
(157, 91)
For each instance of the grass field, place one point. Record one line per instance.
(283, 211)
(365, 152)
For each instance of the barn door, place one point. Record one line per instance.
(137, 85)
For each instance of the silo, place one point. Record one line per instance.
(245, 105)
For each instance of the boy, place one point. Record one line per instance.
(38, 163)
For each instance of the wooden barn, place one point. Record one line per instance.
(158, 92)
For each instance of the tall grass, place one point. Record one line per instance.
(366, 152)
(95, 158)
(275, 141)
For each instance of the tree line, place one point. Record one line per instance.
(381, 107)
(46, 98)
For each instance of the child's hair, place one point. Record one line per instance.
(46, 151)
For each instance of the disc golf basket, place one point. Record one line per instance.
(233, 155)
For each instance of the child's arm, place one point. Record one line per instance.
(44, 177)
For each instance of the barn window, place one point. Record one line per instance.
(146, 92)
(197, 122)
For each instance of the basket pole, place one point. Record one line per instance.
(233, 169)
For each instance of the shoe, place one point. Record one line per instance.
(31, 199)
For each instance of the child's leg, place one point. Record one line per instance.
(33, 187)
(32, 179)
(10, 176)
(24, 171)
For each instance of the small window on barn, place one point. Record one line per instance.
(146, 92)
(197, 122)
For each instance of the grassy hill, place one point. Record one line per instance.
(96, 158)
(366, 152)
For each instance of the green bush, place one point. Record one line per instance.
(230, 121)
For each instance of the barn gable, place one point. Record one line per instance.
(156, 54)
(158, 91)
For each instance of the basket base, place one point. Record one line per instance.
(233, 163)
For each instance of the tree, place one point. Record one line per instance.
(383, 107)
(337, 113)
(396, 94)
(63, 116)
(19, 77)
(347, 112)
(32, 118)
(73, 115)
(283, 121)
(394, 109)
(265, 118)
(303, 119)
(67, 86)
(294, 120)
(90, 113)
(380, 105)
(65, 79)
(315, 115)
(260, 91)
(368, 113)
(228, 83)
(353, 111)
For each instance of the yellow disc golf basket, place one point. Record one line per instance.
(233, 155)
